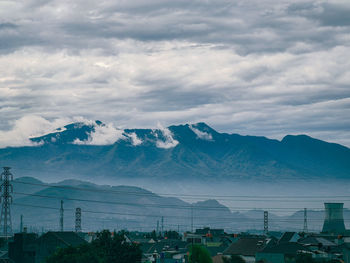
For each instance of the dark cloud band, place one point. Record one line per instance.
(252, 67)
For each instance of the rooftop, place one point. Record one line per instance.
(246, 246)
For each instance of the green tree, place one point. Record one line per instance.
(152, 235)
(199, 254)
(106, 248)
(80, 254)
(172, 234)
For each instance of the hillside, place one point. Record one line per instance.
(183, 152)
(134, 208)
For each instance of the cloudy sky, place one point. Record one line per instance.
(258, 67)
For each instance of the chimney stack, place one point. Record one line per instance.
(334, 221)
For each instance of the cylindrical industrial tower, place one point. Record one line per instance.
(334, 221)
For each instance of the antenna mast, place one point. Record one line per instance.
(21, 224)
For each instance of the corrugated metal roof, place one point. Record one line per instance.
(246, 246)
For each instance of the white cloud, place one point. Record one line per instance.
(201, 135)
(27, 127)
(169, 141)
(31, 126)
(134, 139)
(103, 135)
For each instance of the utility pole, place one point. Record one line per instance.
(191, 218)
(266, 222)
(305, 230)
(61, 216)
(6, 199)
(21, 225)
(162, 225)
(78, 219)
(192, 232)
(157, 227)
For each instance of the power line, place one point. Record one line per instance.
(215, 221)
(184, 195)
(150, 225)
(188, 207)
(157, 216)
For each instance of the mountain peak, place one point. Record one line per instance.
(198, 130)
(69, 133)
(203, 131)
(203, 126)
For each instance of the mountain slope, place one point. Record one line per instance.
(184, 152)
(108, 206)
(135, 208)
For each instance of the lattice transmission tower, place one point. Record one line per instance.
(78, 219)
(61, 216)
(6, 189)
(305, 229)
(266, 222)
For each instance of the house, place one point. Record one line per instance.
(87, 236)
(29, 248)
(23, 247)
(317, 243)
(167, 249)
(246, 247)
(283, 252)
(289, 237)
(193, 238)
(217, 244)
(207, 231)
(216, 248)
(346, 252)
(143, 240)
(49, 242)
(218, 259)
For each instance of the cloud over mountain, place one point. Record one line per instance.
(102, 135)
(178, 152)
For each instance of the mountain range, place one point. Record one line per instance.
(134, 208)
(191, 152)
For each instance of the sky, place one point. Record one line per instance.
(257, 67)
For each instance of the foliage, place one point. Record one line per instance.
(233, 259)
(106, 248)
(154, 235)
(199, 254)
(80, 254)
(172, 234)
